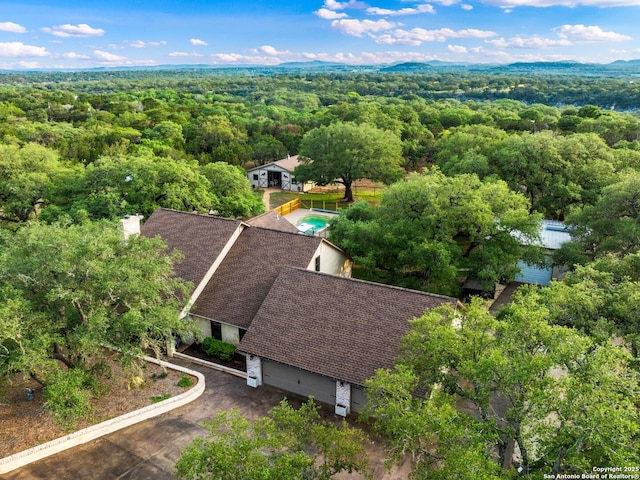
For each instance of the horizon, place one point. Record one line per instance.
(61, 35)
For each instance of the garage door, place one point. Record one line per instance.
(358, 398)
(298, 381)
(534, 275)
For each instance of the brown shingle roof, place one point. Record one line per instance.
(236, 290)
(200, 238)
(337, 327)
(273, 221)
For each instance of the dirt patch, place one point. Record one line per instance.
(25, 423)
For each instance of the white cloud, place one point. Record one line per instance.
(19, 49)
(29, 65)
(364, 58)
(269, 50)
(141, 44)
(12, 27)
(593, 33)
(329, 14)
(534, 42)
(424, 8)
(237, 58)
(109, 57)
(456, 49)
(417, 36)
(357, 28)
(334, 5)
(185, 54)
(197, 42)
(563, 3)
(81, 30)
(75, 56)
(465, 6)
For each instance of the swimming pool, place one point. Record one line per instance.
(313, 224)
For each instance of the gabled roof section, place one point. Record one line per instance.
(289, 164)
(200, 238)
(337, 327)
(245, 276)
(272, 221)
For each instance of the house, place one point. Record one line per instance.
(232, 264)
(552, 235)
(323, 335)
(278, 174)
(288, 303)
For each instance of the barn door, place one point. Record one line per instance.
(263, 181)
(286, 181)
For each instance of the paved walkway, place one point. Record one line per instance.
(149, 450)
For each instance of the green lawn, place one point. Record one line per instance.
(328, 201)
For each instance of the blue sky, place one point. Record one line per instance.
(72, 34)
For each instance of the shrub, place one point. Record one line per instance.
(68, 396)
(184, 382)
(218, 348)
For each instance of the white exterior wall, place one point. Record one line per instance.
(332, 261)
(343, 394)
(230, 334)
(204, 326)
(263, 175)
(254, 368)
(131, 225)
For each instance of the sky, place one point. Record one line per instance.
(112, 33)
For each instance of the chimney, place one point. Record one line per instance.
(131, 225)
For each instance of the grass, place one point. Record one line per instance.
(185, 382)
(330, 200)
(160, 398)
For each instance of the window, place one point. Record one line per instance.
(318, 263)
(255, 176)
(216, 330)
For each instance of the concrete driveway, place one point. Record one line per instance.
(149, 450)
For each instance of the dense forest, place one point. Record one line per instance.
(469, 157)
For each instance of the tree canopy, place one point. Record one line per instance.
(431, 229)
(561, 400)
(289, 443)
(67, 292)
(346, 152)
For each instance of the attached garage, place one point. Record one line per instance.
(298, 381)
(358, 398)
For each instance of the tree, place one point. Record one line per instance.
(288, 443)
(514, 380)
(611, 225)
(346, 152)
(68, 291)
(233, 194)
(26, 175)
(430, 229)
(121, 185)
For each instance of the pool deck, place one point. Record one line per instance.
(295, 216)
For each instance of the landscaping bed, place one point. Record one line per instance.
(25, 423)
(238, 362)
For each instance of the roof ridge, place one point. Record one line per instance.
(366, 282)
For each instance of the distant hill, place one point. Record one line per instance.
(619, 67)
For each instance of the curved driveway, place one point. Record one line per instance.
(150, 449)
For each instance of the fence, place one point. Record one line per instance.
(287, 208)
